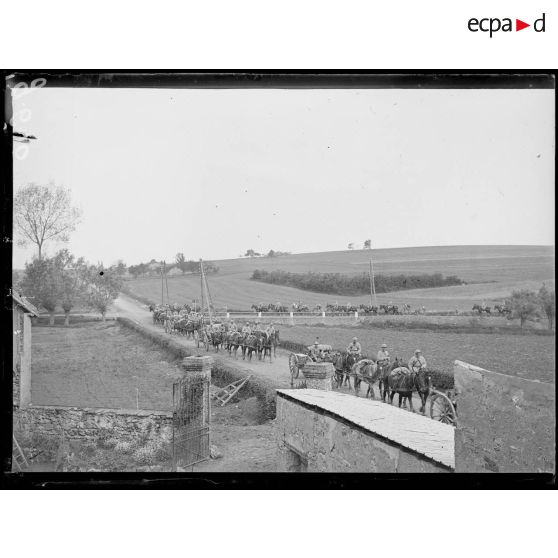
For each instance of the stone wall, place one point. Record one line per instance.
(505, 424)
(311, 441)
(90, 423)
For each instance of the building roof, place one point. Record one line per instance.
(24, 303)
(413, 431)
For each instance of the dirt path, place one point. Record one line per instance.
(277, 370)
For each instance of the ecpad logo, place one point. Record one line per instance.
(493, 25)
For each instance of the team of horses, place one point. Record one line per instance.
(391, 378)
(218, 336)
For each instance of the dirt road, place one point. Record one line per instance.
(277, 370)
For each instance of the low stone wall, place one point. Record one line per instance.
(505, 424)
(223, 371)
(90, 423)
(312, 439)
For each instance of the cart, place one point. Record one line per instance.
(443, 406)
(298, 360)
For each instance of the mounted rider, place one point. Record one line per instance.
(382, 357)
(247, 330)
(270, 331)
(355, 349)
(417, 362)
(232, 326)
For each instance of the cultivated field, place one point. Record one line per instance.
(95, 364)
(528, 356)
(496, 269)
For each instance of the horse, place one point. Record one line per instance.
(368, 371)
(264, 346)
(404, 381)
(249, 345)
(216, 338)
(343, 363)
(274, 339)
(384, 370)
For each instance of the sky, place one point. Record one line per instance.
(212, 173)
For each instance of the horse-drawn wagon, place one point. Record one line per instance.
(298, 360)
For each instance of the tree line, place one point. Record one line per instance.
(528, 305)
(66, 282)
(185, 266)
(353, 285)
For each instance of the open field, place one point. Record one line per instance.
(95, 364)
(497, 269)
(528, 356)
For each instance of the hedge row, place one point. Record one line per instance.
(350, 285)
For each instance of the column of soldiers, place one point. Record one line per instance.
(416, 363)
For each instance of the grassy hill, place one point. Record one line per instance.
(491, 271)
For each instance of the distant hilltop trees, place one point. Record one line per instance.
(352, 285)
(180, 266)
(251, 253)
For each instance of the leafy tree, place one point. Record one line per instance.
(350, 246)
(547, 301)
(271, 253)
(120, 268)
(41, 284)
(72, 281)
(43, 213)
(103, 288)
(367, 244)
(250, 253)
(181, 262)
(524, 305)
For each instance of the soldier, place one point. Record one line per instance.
(315, 353)
(258, 327)
(247, 329)
(383, 355)
(354, 348)
(417, 362)
(232, 326)
(270, 331)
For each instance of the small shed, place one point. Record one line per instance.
(22, 311)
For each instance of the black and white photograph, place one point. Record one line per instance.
(282, 273)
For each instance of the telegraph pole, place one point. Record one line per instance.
(372, 285)
(162, 300)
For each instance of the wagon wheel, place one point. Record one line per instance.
(293, 366)
(442, 409)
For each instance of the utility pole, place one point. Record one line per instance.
(372, 286)
(166, 281)
(162, 299)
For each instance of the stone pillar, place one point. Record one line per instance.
(228, 315)
(291, 318)
(259, 314)
(356, 315)
(318, 375)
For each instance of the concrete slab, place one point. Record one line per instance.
(413, 431)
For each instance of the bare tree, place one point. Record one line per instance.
(43, 213)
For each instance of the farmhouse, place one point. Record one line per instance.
(22, 311)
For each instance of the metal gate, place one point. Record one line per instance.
(190, 425)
